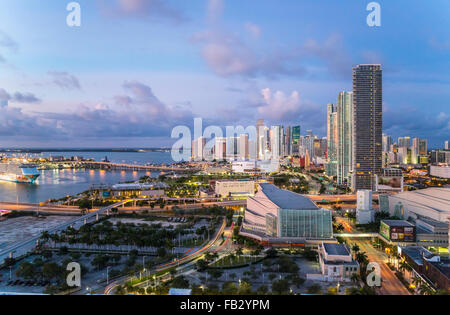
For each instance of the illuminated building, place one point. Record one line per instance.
(344, 128)
(367, 126)
(275, 215)
(332, 140)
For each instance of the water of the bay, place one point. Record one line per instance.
(55, 184)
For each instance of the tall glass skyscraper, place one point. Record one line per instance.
(367, 125)
(344, 148)
(331, 168)
(295, 139)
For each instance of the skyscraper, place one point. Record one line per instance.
(220, 149)
(367, 125)
(404, 142)
(288, 141)
(277, 142)
(331, 168)
(198, 149)
(295, 139)
(387, 142)
(244, 152)
(344, 128)
(260, 126)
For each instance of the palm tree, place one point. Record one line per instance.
(355, 278)
(355, 249)
(362, 258)
(425, 289)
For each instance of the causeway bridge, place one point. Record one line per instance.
(135, 167)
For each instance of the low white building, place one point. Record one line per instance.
(336, 263)
(364, 211)
(442, 171)
(227, 188)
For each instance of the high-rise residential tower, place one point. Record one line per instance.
(387, 142)
(367, 126)
(260, 127)
(288, 141)
(277, 142)
(404, 142)
(344, 148)
(331, 168)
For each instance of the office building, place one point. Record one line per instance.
(295, 139)
(367, 126)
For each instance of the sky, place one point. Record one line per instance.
(135, 69)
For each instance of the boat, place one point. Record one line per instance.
(19, 172)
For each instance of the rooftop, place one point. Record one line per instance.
(397, 223)
(434, 223)
(336, 249)
(416, 253)
(434, 198)
(287, 199)
(443, 266)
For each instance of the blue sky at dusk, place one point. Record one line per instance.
(137, 68)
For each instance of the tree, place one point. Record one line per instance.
(161, 252)
(26, 270)
(202, 265)
(355, 278)
(180, 283)
(314, 289)
(355, 248)
(215, 273)
(229, 288)
(280, 286)
(51, 270)
(362, 258)
(271, 252)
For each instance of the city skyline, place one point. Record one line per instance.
(77, 87)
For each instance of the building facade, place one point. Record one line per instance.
(367, 126)
(344, 128)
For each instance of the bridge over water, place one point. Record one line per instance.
(135, 167)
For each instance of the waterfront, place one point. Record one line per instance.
(139, 158)
(55, 184)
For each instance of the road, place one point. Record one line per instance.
(188, 261)
(51, 209)
(390, 283)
